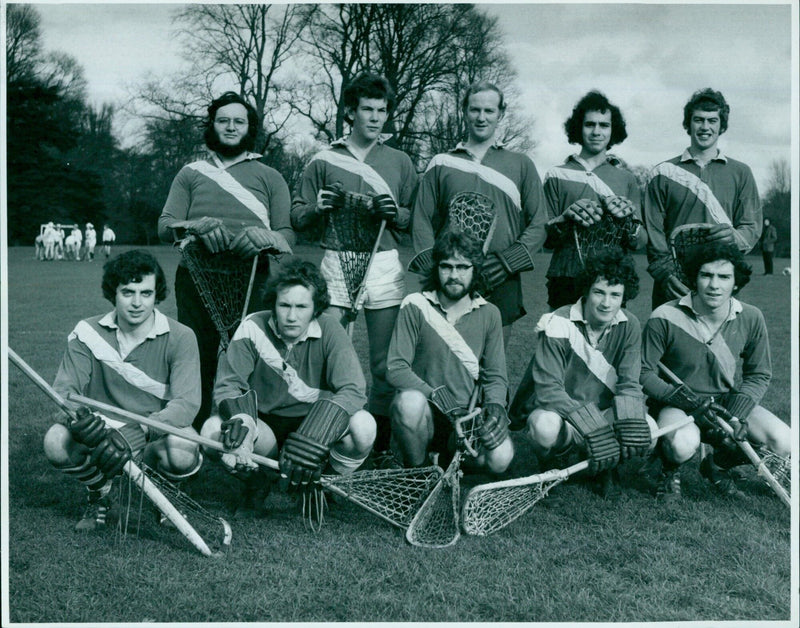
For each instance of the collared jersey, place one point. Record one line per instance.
(159, 378)
(572, 181)
(680, 192)
(427, 351)
(707, 362)
(289, 378)
(508, 178)
(247, 193)
(385, 170)
(567, 372)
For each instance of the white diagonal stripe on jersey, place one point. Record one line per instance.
(346, 162)
(722, 352)
(558, 327)
(697, 187)
(489, 175)
(599, 186)
(272, 358)
(225, 180)
(110, 357)
(447, 332)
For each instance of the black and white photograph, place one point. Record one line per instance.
(400, 313)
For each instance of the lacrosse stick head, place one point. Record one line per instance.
(779, 466)
(224, 283)
(684, 242)
(436, 523)
(609, 233)
(473, 213)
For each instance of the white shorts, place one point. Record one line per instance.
(385, 285)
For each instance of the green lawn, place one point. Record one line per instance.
(574, 558)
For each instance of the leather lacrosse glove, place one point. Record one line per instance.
(446, 403)
(119, 446)
(722, 234)
(631, 427)
(493, 430)
(739, 425)
(211, 231)
(330, 199)
(618, 206)
(585, 212)
(252, 240)
(238, 431)
(384, 208)
(302, 459)
(233, 432)
(88, 428)
(494, 271)
(598, 435)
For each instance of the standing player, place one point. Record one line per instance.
(290, 382)
(581, 389)
(108, 239)
(700, 337)
(583, 188)
(73, 243)
(230, 201)
(91, 241)
(768, 240)
(509, 179)
(700, 186)
(448, 339)
(139, 360)
(363, 164)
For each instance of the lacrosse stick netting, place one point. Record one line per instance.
(437, 522)
(224, 282)
(474, 214)
(609, 232)
(392, 494)
(780, 467)
(684, 241)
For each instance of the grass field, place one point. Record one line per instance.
(574, 558)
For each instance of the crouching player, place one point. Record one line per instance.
(290, 384)
(447, 337)
(581, 390)
(139, 360)
(700, 338)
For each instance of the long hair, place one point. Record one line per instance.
(595, 101)
(447, 245)
(615, 267)
(230, 98)
(716, 252)
(707, 99)
(130, 267)
(297, 272)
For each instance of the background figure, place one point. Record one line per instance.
(108, 239)
(768, 239)
(91, 241)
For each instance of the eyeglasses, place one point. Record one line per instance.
(449, 268)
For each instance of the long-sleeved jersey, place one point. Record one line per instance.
(287, 379)
(159, 378)
(567, 371)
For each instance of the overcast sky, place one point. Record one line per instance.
(647, 58)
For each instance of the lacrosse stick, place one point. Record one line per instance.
(436, 523)
(763, 470)
(491, 507)
(474, 214)
(361, 294)
(683, 241)
(142, 480)
(609, 232)
(392, 494)
(224, 282)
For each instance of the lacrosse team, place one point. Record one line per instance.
(600, 386)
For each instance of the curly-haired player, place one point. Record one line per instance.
(581, 389)
(290, 385)
(702, 185)
(586, 186)
(700, 337)
(137, 359)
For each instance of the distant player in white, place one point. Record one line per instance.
(91, 241)
(108, 239)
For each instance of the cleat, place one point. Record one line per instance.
(252, 503)
(722, 479)
(385, 459)
(669, 486)
(94, 516)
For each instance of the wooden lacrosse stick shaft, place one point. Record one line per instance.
(745, 446)
(358, 301)
(130, 468)
(169, 429)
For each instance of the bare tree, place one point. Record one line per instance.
(23, 42)
(780, 177)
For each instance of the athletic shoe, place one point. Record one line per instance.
(606, 483)
(95, 515)
(669, 486)
(385, 459)
(251, 505)
(721, 478)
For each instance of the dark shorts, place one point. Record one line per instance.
(508, 299)
(281, 426)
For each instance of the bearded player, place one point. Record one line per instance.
(700, 338)
(290, 387)
(448, 340)
(581, 391)
(228, 200)
(137, 359)
(385, 180)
